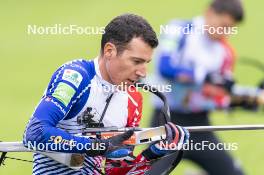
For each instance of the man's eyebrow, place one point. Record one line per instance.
(141, 59)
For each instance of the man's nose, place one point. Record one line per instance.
(142, 72)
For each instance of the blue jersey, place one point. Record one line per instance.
(76, 88)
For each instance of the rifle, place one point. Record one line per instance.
(141, 136)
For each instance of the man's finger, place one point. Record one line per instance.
(127, 135)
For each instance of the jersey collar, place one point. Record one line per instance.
(99, 75)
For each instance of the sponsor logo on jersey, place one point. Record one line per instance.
(73, 77)
(64, 93)
(59, 139)
(48, 99)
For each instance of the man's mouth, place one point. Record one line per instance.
(132, 81)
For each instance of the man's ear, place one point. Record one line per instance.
(110, 50)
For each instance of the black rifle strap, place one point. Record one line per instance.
(105, 108)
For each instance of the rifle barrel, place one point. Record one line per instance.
(224, 128)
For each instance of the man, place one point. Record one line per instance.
(89, 91)
(198, 63)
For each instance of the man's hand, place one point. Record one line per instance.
(176, 136)
(112, 147)
(218, 80)
(184, 78)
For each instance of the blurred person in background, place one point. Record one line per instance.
(198, 63)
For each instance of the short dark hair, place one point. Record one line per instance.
(231, 7)
(122, 29)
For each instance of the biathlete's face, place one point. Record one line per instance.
(222, 24)
(130, 65)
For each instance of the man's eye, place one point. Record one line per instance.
(137, 61)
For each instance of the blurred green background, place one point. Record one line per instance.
(28, 61)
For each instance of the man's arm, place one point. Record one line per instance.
(170, 52)
(67, 85)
